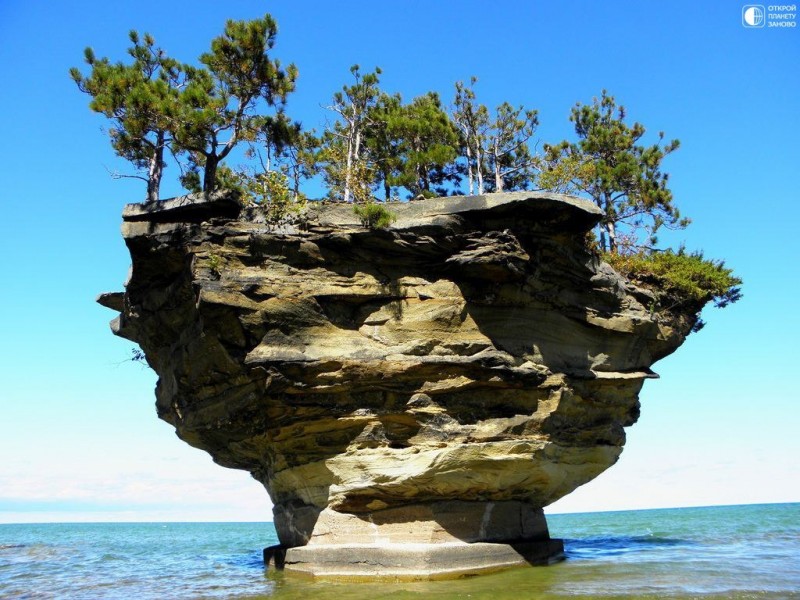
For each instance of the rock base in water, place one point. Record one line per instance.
(412, 562)
(439, 540)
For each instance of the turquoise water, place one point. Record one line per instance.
(717, 552)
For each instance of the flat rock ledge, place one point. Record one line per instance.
(411, 398)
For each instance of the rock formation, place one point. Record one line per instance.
(410, 398)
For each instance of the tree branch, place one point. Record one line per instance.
(118, 175)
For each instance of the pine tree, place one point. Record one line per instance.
(141, 99)
(496, 148)
(426, 141)
(472, 120)
(344, 141)
(381, 144)
(301, 159)
(507, 151)
(621, 176)
(219, 104)
(345, 176)
(283, 147)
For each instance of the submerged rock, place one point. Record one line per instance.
(423, 390)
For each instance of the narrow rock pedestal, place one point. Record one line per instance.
(439, 540)
(417, 562)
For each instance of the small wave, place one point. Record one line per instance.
(11, 546)
(249, 560)
(599, 547)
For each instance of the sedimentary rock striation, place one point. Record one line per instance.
(411, 397)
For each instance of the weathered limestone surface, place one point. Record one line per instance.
(424, 390)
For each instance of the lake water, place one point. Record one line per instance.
(717, 552)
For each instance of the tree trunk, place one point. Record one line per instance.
(155, 169)
(479, 170)
(498, 178)
(210, 173)
(357, 149)
(609, 225)
(348, 170)
(422, 172)
(353, 149)
(612, 238)
(153, 181)
(296, 181)
(469, 171)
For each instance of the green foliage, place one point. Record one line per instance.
(354, 101)
(270, 191)
(681, 279)
(282, 145)
(509, 157)
(346, 181)
(215, 265)
(345, 166)
(226, 178)
(158, 104)
(563, 173)
(374, 215)
(425, 143)
(380, 141)
(218, 106)
(191, 180)
(622, 176)
(472, 120)
(141, 100)
(495, 147)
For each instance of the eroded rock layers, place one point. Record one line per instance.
(440, 380)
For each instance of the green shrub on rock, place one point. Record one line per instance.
(270, 192)
(681, 280)
(374, 215)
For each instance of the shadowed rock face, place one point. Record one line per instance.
(457, 372)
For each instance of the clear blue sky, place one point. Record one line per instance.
(79, 437)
